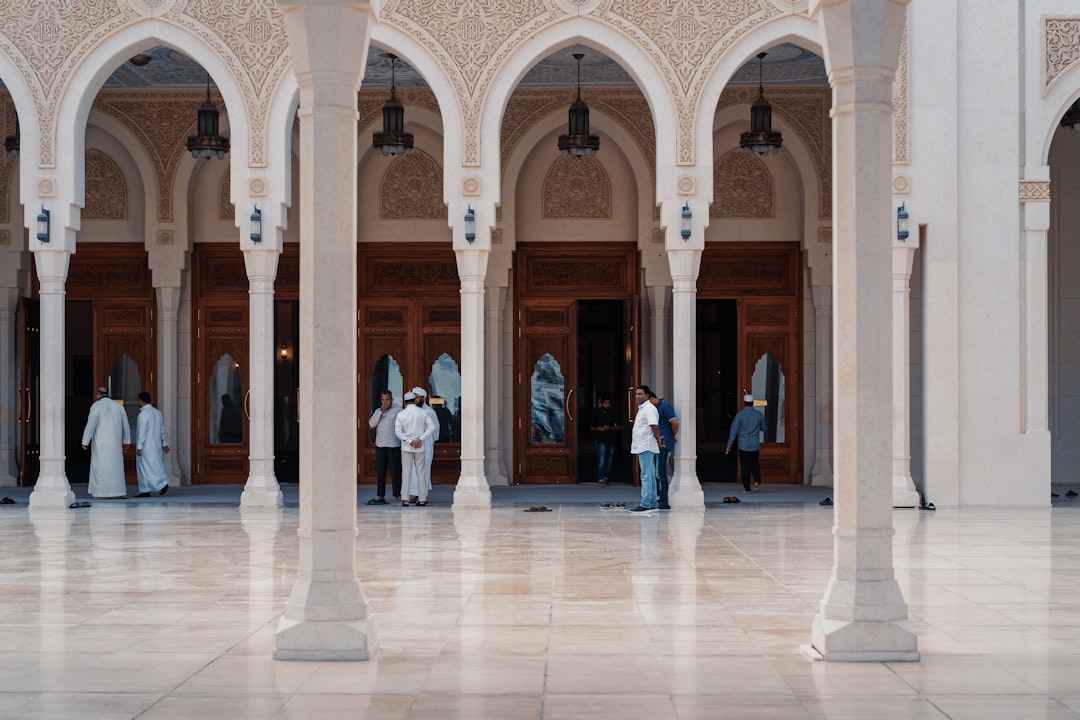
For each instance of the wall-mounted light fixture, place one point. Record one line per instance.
(43, 225)
(902, 223)
(256, 225)
(687, 216)
(470, 224)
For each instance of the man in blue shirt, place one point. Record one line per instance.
(669, 433)
(748, 426)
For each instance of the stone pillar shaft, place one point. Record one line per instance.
(904, 492)
(326, 615)
(495, 468)
(863, 616)
(262, 487)
(823, 469)
(685, 491)
(168, 304)
(52, 488)
(472, 488)
(11, 398)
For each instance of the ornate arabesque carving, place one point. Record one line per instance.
(806, 110)
(162, 121)
(226, 209)
(900, 104)
(742, 187)
(412, 188)
(577, 188)
(1062, 46)
(418, 273)
(106, 189)
(1034, 191)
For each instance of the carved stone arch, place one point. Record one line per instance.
(412, 188)
(742, 187)
(577, 188)
(106, 189)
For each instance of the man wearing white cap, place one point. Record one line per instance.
(107, 431)
(412, 426)
(429, 443)
(748, 426)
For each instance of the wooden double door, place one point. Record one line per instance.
(577, 342)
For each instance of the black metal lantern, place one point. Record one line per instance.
(577, 141)
(761, 138)
(208, 143)
(1071, 120)
(11, 142)
(393, 140)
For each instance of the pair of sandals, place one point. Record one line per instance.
(415, 501)
(612, 505)
(537, 508)
(75, 505)
(6, 501)
(731, 499)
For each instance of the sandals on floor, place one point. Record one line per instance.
(421, 503)
(731, 499)
(537, 508)
(7, 501)
(376, 501)
(826, 502)
(404, 503)
(79, 505)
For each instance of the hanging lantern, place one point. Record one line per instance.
(208, 143)
(577, 141)
(761, 138)
(393, 140)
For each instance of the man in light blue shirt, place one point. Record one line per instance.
(748, 426)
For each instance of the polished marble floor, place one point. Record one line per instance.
(155, 609)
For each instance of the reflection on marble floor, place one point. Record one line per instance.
(156, 610)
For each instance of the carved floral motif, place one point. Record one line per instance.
(1034, 191)
(1062, 46)
(106, 189)
(577, 188)
(412, 188)
(226, 209)
(900, 105)
(742, 187)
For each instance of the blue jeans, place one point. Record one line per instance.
(647, 463)
(661, 474)
(605, 455)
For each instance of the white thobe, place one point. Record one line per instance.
(413, 423)
(107, 431)
(150, 442)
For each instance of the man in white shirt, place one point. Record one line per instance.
(150, 449)
(413, 426)
(645, 442)
(387, 448)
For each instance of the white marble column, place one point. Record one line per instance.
(52, 488)
(11, 397)
(261, 489)
(863, 616)
(494, 467)
(823, 470)
(326, 617)
(904, 492)
(168, 304)
(1035, 308)
(472, 487)
(659, 306)
(685, 492)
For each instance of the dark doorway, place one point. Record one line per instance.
(718, 391)
(286, 380)
(604, 367)
(79, 385)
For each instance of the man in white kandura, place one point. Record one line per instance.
(107, 429)
(150, 449)
(429, 443)
(412, 426)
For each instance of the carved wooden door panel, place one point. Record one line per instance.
(439, 332)
(221, 393)
(769, 369)
(383, 359)
(544, 418)
(126, 358)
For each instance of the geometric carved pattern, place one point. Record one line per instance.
(412, 188)
(742, 187)
(226, 210)
(1034, 191)
(900, 104)
(577, 188)
(106, 190)
(807, 111)
(412, 274)
(1062, 46)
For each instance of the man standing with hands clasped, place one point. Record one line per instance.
(413, 426)
(645, 442)
(748, 426)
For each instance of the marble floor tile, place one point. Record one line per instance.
(169, 610)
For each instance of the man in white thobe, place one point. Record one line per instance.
(150, 449)
(107, 429)
(429, 444)
(412, 426)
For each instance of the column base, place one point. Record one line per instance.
(862, 641)
(325, 639)
(261, 492)
(904, 494)
(473, 492)
(822, 474)
(688, 498)
(54, 492)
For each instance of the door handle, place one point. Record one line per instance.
(567, 403)
(247, 404)
(629, 403)
(29, 404)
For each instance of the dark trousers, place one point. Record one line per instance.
(662, 480)
(388, 456)
(748, 464)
